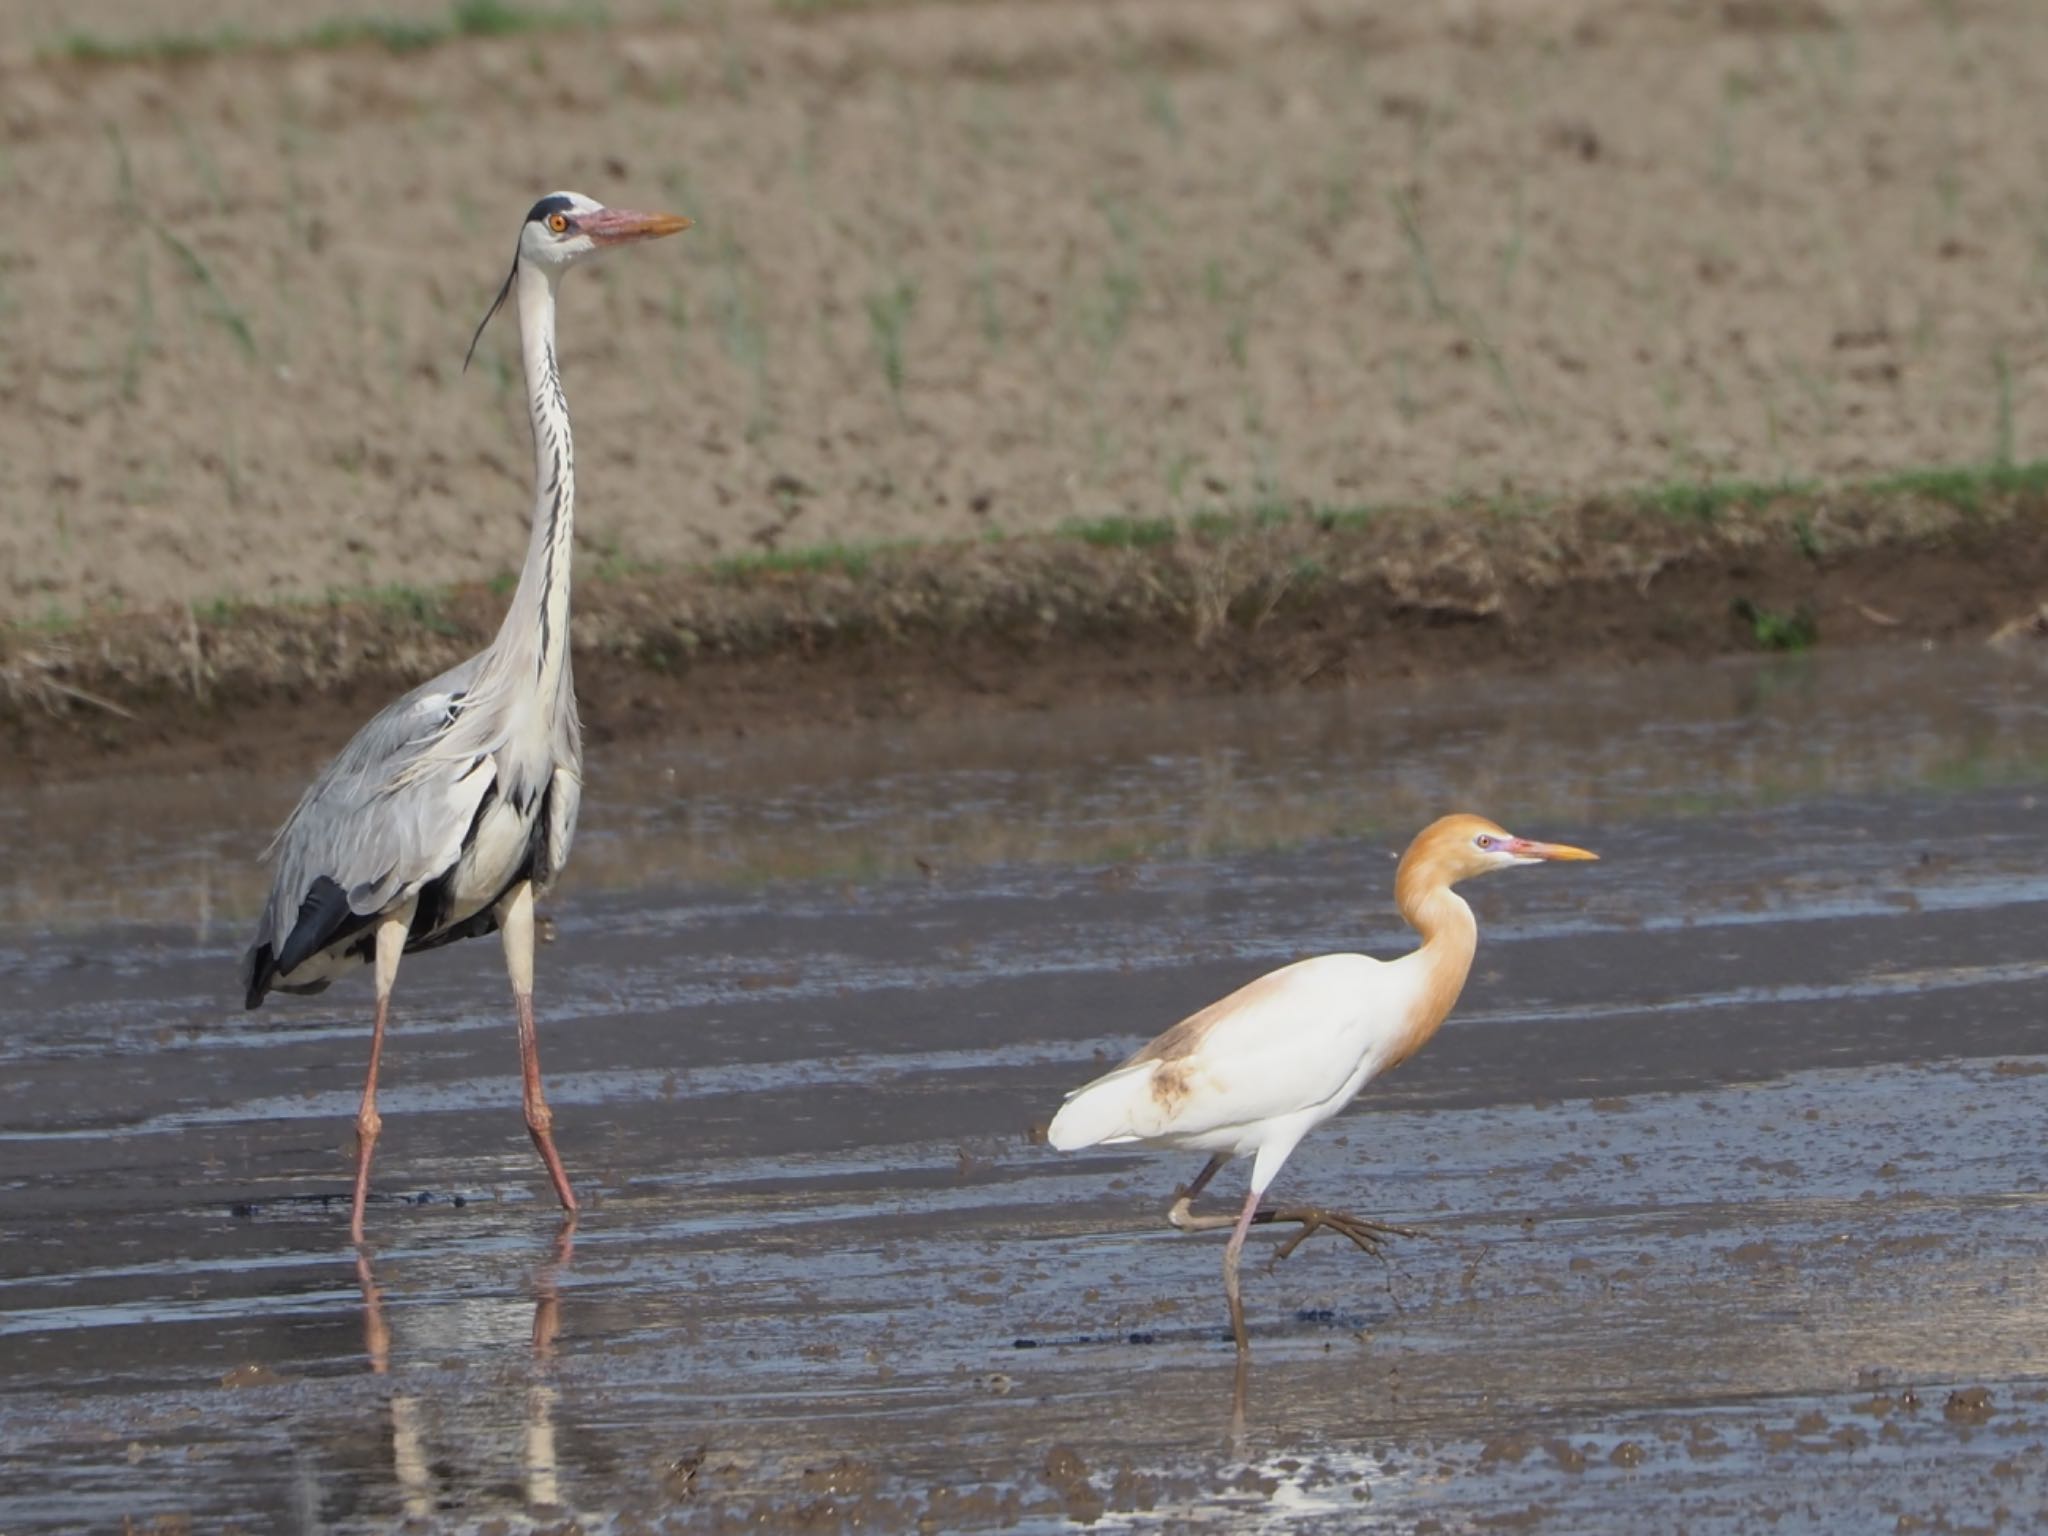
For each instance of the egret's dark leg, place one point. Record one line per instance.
(1181, 1214)
(1231, 1250)
(515, 920)
(1365, 1234)
(390, 945)
(1311, 1218)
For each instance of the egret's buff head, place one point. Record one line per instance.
(1458, 847)
(565, 227)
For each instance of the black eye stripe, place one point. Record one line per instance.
(547, 205)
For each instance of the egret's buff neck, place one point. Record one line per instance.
(1441, 855)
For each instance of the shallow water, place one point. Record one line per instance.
(1729, 1164)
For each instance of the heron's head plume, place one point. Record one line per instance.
(1458, 847)
(563, 228)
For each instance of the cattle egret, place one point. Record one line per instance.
(1252, 1074)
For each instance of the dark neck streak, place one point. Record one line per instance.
(555, 463)
(530, 654)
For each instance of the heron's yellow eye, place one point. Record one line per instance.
(559, 223)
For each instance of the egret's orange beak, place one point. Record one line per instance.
(1524, 848)
(621, 226)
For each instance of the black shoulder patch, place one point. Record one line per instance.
(257, 969)
(324, 917)
(547, 205)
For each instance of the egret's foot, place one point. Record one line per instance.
(1368, 1236)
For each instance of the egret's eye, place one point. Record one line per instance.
(559, 223)
(1483, 840)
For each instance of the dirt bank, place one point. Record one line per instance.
(972, 267)
(1283, 600)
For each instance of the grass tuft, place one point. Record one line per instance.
(888, 316)
(231, 319)
(844, 559)
(1965, 487)
(416, 605)
(397, 35)
(1121, 532)
(1704, 501)
(1776, 631)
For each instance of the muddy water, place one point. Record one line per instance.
(1730, 1166)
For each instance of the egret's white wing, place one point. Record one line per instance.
(1284, 1044)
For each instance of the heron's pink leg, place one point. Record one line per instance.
(391, 933)
(376, 1333)
(547, 1290)
(515, 919)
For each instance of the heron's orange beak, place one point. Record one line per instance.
(621, 226)
(1523, 847)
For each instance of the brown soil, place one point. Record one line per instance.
(1031, 622)
(1140, 258)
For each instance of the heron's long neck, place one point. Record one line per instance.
(536, 626)
(1450, 938)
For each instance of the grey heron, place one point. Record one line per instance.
(453, 807)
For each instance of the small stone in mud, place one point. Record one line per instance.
(251, 1375)
(844, 1476)
(679, 1477)
(1064, 1467)
(1568, 1456)
(1068, 1475)
(1506, 1448)
(1967, 1405)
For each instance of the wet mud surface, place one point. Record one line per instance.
(1729, 1166)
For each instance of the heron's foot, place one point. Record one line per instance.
(1368, 1236)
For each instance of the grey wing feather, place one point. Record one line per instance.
(565, 794)
(385, 816)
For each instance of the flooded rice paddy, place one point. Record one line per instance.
(1730, 1166)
